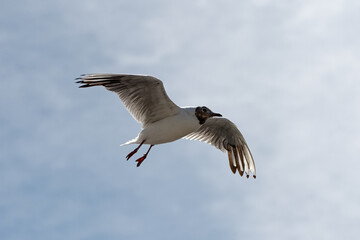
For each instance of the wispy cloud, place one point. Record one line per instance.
(285, 73)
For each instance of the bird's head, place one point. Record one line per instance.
(203, 113)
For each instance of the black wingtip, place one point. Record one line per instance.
(81, 76)
(84, 86)
(81, 81)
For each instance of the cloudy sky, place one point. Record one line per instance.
(286, 72)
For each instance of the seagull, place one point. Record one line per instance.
(163, 121)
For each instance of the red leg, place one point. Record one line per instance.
(135, 150)
(140, 160)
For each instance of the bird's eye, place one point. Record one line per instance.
(204, 109)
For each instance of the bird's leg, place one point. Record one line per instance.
(140, 160)
(135, 150)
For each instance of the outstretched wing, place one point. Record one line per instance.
(143, 96)
(223, 134)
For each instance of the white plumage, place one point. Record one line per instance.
(163, 121)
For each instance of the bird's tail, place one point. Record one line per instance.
(135, 140)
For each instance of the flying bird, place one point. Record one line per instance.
(163, 121)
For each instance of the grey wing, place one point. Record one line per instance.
(143, 96)
(223, 134)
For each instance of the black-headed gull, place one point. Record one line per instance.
(163, 121)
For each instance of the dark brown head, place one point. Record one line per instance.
(203, 113)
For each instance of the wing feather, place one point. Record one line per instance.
(143, 96)
(224, 135)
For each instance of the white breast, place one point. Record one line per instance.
(171, 128)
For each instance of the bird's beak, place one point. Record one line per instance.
(216, 115)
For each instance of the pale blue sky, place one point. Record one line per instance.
(286, 72)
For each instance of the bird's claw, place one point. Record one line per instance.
(131, 154)
(140, 160)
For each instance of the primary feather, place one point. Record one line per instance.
(224, 135)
